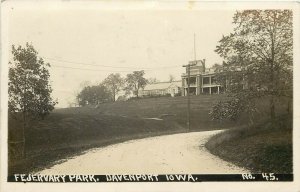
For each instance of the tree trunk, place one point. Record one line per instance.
(289, 106)
(24, 119)
(24, 134)
(272, 109)
(251, 119)
(114, 95)
(137, 91)
(272, 76)
(272, 102)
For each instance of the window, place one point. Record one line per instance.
(205, 80)
(213, 80)
(192, 81)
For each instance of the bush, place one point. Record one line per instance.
(226, 110)
(177, 94)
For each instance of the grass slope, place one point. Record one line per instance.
(263, 148)
(67, 132)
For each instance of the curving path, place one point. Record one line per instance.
(178, 153)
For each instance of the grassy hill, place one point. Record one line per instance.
(262, 148)
(66, 132)
(174, 108)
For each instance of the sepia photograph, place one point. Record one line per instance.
(155, 91)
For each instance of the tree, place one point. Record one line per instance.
(84, 84)
(93, 95)
(171, 78)
(114, 82)
(152, 80)
(217, 67)
(258, 58)
(135, 81)
(29, 89)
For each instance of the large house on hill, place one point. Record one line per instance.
(202, 80)
(161, 89)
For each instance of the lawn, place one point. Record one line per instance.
(70, 131)
(67, 132)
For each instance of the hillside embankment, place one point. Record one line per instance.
(263, 148)
(70, 131)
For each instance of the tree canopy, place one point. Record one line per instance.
(94, 95)
(115, 83)
(135, 81)
(258, 59)
(172, 78)
(152, 80)
(29, 88)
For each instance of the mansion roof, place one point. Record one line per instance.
(162, 85)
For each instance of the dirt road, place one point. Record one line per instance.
(178, 153)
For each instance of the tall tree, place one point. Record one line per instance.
(114, 82)
(258, 58)
(152, 80)
(93, 95)
(135, 81)
(171, 78)
(29, 88)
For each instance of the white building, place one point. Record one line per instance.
(162, 88)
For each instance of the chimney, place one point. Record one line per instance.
(203, 64)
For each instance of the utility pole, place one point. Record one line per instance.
(188, 92)
(188, 66)
(195, 47)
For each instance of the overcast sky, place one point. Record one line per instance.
(160, 42)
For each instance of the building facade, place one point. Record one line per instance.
(202, 80)
(161, 89)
